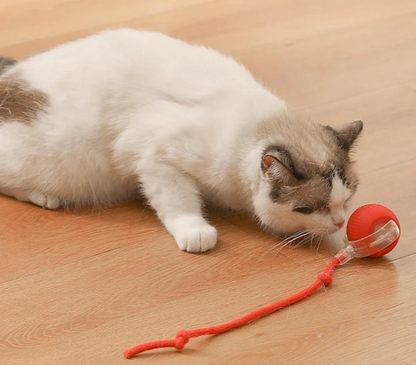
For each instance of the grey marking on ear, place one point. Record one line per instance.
(346, 134)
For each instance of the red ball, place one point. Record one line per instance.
(364, 221)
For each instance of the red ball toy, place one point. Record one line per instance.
(366, 221)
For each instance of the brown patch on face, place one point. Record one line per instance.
(305, 186)
(310, 195)
(351, 177)
(18, 102)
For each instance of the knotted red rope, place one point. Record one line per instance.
(183, 337)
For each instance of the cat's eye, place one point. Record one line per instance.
(304, 210)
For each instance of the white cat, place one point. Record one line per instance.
(99, 120)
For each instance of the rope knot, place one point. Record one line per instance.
(182, 338)
(325, 278)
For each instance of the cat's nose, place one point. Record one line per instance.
(340, 223)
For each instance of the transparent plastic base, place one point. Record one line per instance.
(382, 237)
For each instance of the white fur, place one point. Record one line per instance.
(131, 106)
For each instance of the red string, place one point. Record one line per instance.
(183, 337)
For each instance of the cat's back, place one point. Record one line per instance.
(126, 60)
(156, 55)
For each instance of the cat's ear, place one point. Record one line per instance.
(277, 164)
(347, 134)
(273, 169)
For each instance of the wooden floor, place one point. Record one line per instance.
(80, 287)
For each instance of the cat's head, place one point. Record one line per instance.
(306, 176)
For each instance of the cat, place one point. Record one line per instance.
(126, 112)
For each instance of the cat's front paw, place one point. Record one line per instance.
(192, 233)
(197, 239)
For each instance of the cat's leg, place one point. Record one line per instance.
(175, 197)
(41, 200)
(14, 180)
(35, 197)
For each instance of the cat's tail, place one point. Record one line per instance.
(5, 63)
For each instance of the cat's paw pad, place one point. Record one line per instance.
(196, 239)
(44, 201)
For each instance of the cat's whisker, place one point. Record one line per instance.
(292, 238)
(319, 243)
(303, 241)
(287, 241)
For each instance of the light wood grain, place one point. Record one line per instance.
(80, 287)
